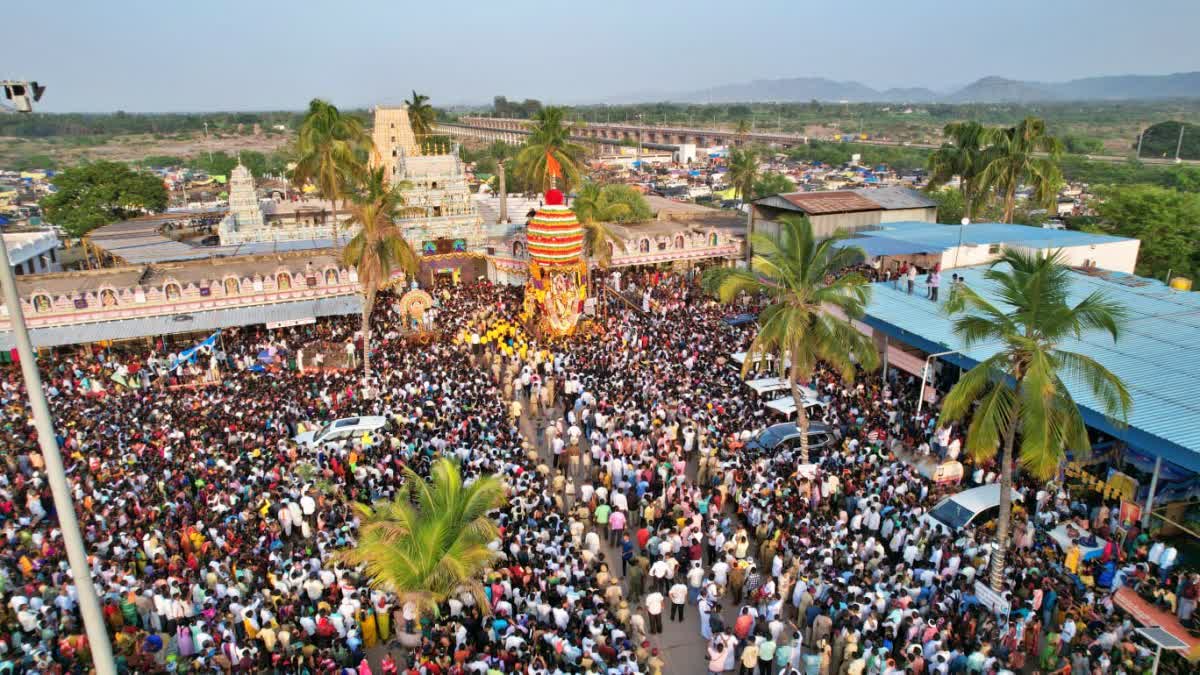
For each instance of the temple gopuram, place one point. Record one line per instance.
(446, 230)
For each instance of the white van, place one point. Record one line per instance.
(341, 430)
(968, 508)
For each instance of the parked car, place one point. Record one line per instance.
(969, 508)
(783, 440)
(341, 430)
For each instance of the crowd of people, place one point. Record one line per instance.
(632, 494)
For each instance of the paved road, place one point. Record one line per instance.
(680, 643)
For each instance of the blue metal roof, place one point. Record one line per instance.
(938, 237)
(877, 246)
(1155, 355)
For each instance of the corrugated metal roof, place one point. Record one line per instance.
(1155, 355)
(941, 237)
(198, 321)
(820, 203)
(877, 246)
(896, 197)
(139, 241)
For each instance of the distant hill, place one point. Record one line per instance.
(999, 89)
(985, 90)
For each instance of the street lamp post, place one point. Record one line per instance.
(89, 604)
(961, 226)
(925, 377)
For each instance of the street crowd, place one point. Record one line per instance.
(634, 500)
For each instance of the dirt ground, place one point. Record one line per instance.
(134, 147)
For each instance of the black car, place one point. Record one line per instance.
(784, 439)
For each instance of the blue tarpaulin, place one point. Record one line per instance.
(739, 319)
(188, 355)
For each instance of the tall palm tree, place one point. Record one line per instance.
(743, 172)
(379, 248)
(962, 156)
(1020, 389)
(1013, 157)
(421, 116)
(595, 212)
(430, 541)
(801, 278)
(551, 138)
(329, 149)
(742, 130)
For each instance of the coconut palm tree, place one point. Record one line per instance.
(379, 248)
(1013, 157)
(595, 212)
(743, 172)
(549, 144)
(329, 149)
(421, 116)
(431, 540)
(962, 156)
(810, 307)
(1020, 389)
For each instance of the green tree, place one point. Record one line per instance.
(214, 163)
(742, 129)
(379, 248)
(1164, 220)
(328, 149)
(801, 279)
(1162, 140)
(963, 156)
(1083, 145)
(743, 173)
(32, 162)
(772, 183)
(90, 195)
(1019, 390)
(551, 137)
(431, 541)
(1012, 158)
(950, 206)
(597, 207)
(421, 116)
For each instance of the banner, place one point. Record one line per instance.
(188, 355)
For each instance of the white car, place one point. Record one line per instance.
(769, 385)
(968, 508)
(786, 405)
(341, 430)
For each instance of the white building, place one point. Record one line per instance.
(247, 224)
(33, 252)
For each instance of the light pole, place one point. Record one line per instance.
(89, 604)
(639, 146)
(925, 378)
(962, 225)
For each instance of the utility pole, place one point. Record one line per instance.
(639, 146)
(81, 574)
(1139, 148)
(503, 194)
(1179, 145)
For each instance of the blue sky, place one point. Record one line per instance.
(179, 55)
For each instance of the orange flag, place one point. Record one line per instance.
(553, 168)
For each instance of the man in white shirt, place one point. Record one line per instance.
(654, 607)
(679, 596)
